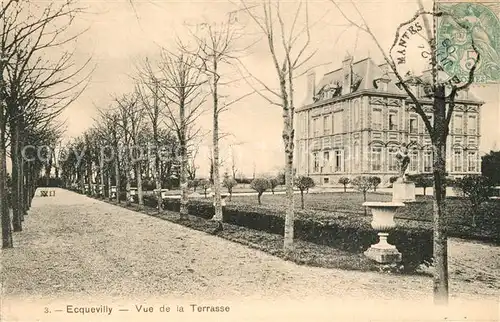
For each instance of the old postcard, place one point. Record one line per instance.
(237, 160)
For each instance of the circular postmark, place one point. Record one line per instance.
(465, 30)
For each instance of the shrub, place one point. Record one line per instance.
(303, 183)
(375, 182)
(477, 189)
(229, 183)
(344, 181)
(273, 183)
(393, 179)
(205, 185)
(362, 184)
(193, 184)
(422, 181)
(260, 185)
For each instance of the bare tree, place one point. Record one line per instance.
(215, 49)
(443, 95)
(150, 97)
(289, 52)
(28, 78)
(179, 90)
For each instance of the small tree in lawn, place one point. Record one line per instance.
(344, 181)
(362, 184)
(477, 189)
(205, 185)
(303, 183)
(229, 183)
(193, 183)
(375, 182)
(260, 185)
(273, 183)
(422, 181)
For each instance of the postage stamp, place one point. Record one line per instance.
(465, 30)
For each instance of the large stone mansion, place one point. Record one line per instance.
(355, 118)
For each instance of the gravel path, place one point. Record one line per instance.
(77, 247)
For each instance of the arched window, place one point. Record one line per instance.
(472, 161)
(457, 159)
(391, 158)
(376, 158)
(414, 166)
(428, 160)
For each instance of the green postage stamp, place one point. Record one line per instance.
(463, 25)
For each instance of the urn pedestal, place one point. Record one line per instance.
(403, 191)
(383, 222)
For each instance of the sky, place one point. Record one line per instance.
(120, 35)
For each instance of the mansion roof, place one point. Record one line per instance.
(367, 77)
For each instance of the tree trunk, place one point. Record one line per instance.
(157, 175)
(439, 202)
(184, 187)
(258, 197)
(289, 217)
(139, 184)
(345, 188)
(101, 179)
(6, 223)
(440, 239)
(127, 177)
(82, 181)
(14, 149)
(302, 199)
(109, 181)
(21, 185)
(117, 177)
(215, 141)
(27, 185)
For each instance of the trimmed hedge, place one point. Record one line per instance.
(347, 232)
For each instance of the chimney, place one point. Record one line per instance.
(347, 74)
(311, 86)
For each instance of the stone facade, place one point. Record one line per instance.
(356, 117)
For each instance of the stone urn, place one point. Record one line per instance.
(383, 222)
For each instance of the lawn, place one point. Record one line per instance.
(458, 211)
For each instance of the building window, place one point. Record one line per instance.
(315, 162)
(458, 124)
(337, 122)
(326, 180)
(457, 160)
(326, 161)
(414, 161)
(338, 166)
(413, 124)
(376, 158)
(472, 125)
(393, 121)
(326, 125)
(316, 127)
(472, 161)
(428, 161)
(377, 119)
(391, 156)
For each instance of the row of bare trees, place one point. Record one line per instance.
(38, 79)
